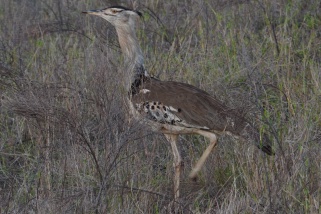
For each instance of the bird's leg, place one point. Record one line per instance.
(172, 138)
(213, 142)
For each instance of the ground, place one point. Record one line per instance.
(67, 144)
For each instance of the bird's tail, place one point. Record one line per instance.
(244, 128)
(262, 140)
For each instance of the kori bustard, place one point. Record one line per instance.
(169, 107)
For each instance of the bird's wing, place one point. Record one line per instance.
(184, 105)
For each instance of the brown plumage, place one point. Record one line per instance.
(194, 107)
(173, 108)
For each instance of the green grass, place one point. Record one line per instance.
(66, 145)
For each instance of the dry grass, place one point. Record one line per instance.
(66, 145)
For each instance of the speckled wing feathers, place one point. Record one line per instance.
(184, 105)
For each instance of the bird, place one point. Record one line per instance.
(169, 107)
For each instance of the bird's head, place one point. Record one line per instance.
(117, 15)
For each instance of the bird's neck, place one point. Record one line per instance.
(134, 59)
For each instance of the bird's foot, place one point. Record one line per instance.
(175, 206)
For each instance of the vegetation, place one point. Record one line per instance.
(67, 146)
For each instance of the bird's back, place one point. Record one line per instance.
(191, 106)
(184, 105)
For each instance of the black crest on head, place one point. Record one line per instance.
(125, 8)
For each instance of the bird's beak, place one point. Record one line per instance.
(92, 12)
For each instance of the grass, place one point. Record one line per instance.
(67, 146)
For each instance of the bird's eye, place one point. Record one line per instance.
(113, 11)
